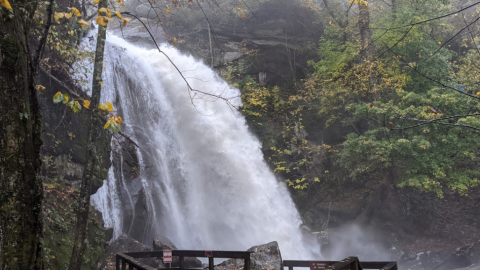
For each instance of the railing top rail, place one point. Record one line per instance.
(129, 257)
(303, 263)
(390, 266)
(344, 264)
(194, 253)
(367, 265)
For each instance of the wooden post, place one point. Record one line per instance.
(181, 262)
(246, 265)
(210, 263)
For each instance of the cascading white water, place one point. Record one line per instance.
(202, 180)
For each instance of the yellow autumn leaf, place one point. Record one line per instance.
(86, 104)
(106, 10)
(118, 15)
(478, 94)
(82, 23)
(167, 10)
(174, 41)
(76, 107)
(107, 124)
(125, 21)
(122, 4)
(109, 106)
(103, 107)
(68, 16)
(58, 15)
(118, 1)
(58, 94)
(101, 20)
(65, 97)
(6, 4)
(76, 11)
(96, 1)
(41, 87)
(119, 120)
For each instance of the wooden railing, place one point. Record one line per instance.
(350, 263)
(124, 260)
(129, 261)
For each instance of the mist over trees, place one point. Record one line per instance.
(397, 80)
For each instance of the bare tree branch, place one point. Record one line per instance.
(426, 122)
(428, 20)
(43, 38)
(83, 97)
(189, 87)
(431, 79)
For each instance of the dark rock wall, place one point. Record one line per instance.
(276, 37)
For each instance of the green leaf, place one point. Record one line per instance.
(114, 128)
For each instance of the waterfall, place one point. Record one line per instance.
(199, 177)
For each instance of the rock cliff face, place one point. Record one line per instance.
(272, 38)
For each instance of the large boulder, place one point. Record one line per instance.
(163, 243)
(263, 257)
(124, 244)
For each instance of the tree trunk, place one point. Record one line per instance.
(365, 32)
(21, 191)
(92, 154)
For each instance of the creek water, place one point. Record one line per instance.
(200, 177)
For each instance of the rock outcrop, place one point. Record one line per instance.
(465, 257)
(163, 243)
(122, 245)
(263, 257)
(272, 39)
